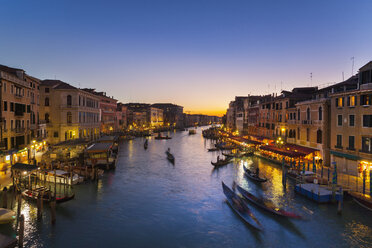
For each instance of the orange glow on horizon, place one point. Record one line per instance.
(215, 112)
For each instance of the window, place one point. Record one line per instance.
(365, 99)
(55, 134)
(46, 101)
(5, 106)
(339, 141)
(339, 120)
(367, 144)
(12, 107)
(46, 90)
(367, 120)
(307, 134)
(69, 117)
(351, 120)
(299, 114)
(69, 100)
(298, 133)
(11, 124)
(4, 87)
(320, 113)
(351, 101)
(47, 118)
(319, 136)
(351, 143)
(339, 102)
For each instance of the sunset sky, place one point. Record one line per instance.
(196, 53)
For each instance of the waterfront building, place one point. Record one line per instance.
(155, 117)
(351, 123)
(69, 112)
(200, 120)
(266, 124)
(230, 117)
(122, 115)
(19, 122)
(172, 114)
(252, 115)
(107, 106)
(138, 114)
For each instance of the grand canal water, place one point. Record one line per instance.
(148, 202)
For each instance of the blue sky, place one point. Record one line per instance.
(196, 53)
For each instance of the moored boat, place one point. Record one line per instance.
(241, 208)
(213, 149)
(46, 195)
(266, 204)
(146, 144)
(6, 215)
(192, 131)
(363, 200)
(248, 173)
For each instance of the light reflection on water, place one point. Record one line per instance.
(148, 202)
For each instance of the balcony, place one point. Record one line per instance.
(18, 95)
(18, 130)
(307, 122)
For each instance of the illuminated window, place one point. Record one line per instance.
(352, 101)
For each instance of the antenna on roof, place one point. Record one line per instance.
(343, 78)
(352, 66)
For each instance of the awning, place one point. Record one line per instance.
(73, 142)
(24, 167)
(301, 149)
(107, 139)
(99, 147)
(280, 151)
(344, 155)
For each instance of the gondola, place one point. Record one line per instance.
(146, 144)
(213, 149)
(248, 173)
(363, 200)
(170, 157)
(243, 211)
(162, 137)
(267, 204)
(47, 195)
(221, 162)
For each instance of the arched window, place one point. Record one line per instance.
(308, 114)
(69, 100)
(69, 117)
(294, 133)
(46, 103)
(320, 113)
(46, 117)
(290, 133)
(319, 136)
(299, 114)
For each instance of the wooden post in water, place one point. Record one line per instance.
(21, 230)
(19, 206)
(5, 198)
(39, 200)
(340, 201)
(55, 181)
(53, 209)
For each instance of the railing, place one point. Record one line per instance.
(19, 130)
(307, 122)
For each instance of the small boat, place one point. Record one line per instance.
(46, 195)
(267, 204)
(248, 173)
(170, 156)
(6, 215)
(146, 144)
(363, 200)
(241, 208)
(221, 162)
(159, 137)
(213, 149)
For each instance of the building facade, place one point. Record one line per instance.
(69, 112)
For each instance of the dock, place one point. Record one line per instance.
(317, 192)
